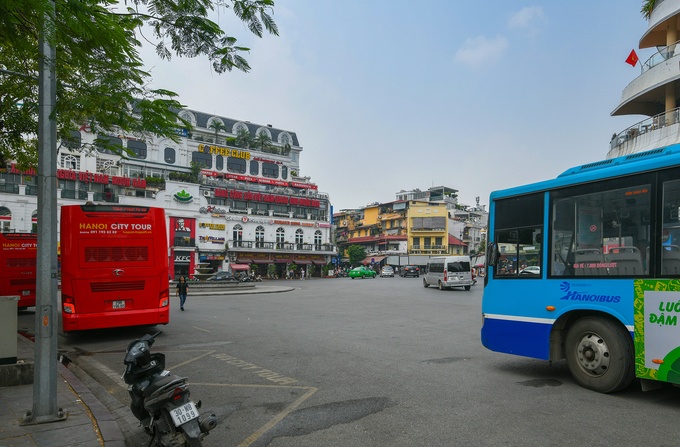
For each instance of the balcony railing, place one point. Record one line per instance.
(237, 245)
(663, 55)
(648, 125)
(427, 249)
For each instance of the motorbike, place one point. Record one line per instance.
(160, 399)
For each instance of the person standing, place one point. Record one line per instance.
(182, 290)
(302, 274)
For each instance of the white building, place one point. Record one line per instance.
(247, 205)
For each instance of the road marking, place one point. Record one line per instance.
(201, 329)
(310, 390)
(279, 417)
(257, 370)
(190, 360)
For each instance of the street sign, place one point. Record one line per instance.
(372, 261)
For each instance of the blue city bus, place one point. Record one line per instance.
(586, 267)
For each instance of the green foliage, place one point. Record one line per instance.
(99, 72)
(271, 270)
(647, 8)
(182, 177)
(155, 182)
(311, 269)
(356, 254)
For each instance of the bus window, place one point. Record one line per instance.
(519, 253)
(518, 236)
(670, 237)
(602, 233)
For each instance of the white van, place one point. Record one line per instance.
(449, 271)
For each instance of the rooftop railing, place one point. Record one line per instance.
(650, 124)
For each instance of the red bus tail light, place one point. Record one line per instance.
(164, 300)
(68, 304)
(446, 276)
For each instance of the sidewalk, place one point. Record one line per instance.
(89, 423)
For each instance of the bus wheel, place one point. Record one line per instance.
(425, 284)
(467, 287)
(600, 354)
(441, 286)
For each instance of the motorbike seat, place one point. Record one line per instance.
(156, 385)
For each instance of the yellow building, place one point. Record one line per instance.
(427, 228)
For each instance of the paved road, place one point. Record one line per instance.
(374, 362)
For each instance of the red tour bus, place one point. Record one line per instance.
(18, 252)
(114, 267)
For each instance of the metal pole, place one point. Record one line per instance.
(45, 372)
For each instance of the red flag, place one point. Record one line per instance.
(632, 58)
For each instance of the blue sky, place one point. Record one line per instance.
(386, 95)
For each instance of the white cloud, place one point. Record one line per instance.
(479, 50)
(525, 17)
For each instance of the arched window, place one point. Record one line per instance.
(299, 238)
(259, 237)
(254, 167)
(5, 219)
(280, 237)
(237, 235)
(138, 148)
(284, 172)
(317, 240)
(219, 162)
(70, 162)
(170, 155)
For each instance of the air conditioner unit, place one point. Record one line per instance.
(206, 193)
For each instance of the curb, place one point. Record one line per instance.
(104, 422)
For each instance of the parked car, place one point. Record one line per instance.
(410, 270)
(361, 272)
(387, 271)
(533, 270)
(222, 276)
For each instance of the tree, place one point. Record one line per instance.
(218, 127)
(262, 141)
(243, 138)
(647, 7)
(356, 254)
(101, 83)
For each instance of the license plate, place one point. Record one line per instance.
(119, 304)
(185, 413)
(25, 292)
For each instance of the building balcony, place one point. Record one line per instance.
(283, 247)
(428, 250)
(659, 130)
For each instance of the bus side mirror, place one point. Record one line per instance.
(491, 254)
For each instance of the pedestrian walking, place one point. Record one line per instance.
(302, 274)
(182, 290)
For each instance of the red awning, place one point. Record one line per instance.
(239, 266)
